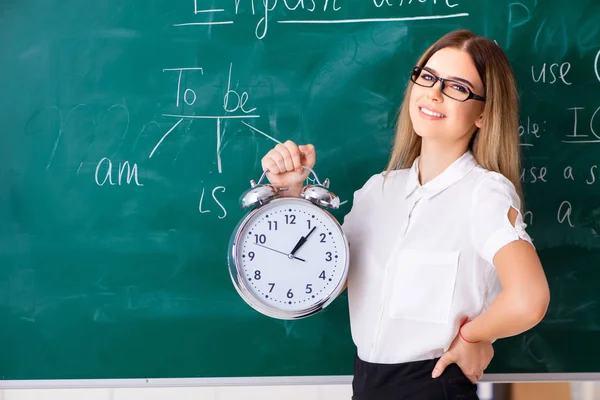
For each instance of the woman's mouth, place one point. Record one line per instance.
(431, 114)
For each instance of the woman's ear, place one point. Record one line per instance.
(479, 121)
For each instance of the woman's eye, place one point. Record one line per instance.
(425, 76)
(460, 88)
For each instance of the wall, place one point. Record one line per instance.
(322, 392)
(289, 392)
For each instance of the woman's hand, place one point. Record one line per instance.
(472, 358)
(285, 162)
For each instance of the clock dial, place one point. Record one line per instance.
(291, 255)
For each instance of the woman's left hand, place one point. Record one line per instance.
(472, 358)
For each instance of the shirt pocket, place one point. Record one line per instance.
(423, 285)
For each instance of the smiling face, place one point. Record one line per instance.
(436, 117)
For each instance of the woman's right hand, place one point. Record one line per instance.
(285, 162)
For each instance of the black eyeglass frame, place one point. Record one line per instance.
(417, 72)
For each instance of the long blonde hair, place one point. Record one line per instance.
(495, 145)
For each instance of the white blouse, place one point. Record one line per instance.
(421, 257)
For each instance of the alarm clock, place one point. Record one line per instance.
(288, 256)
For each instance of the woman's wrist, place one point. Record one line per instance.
(462, 333)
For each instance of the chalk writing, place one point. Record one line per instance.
(214, 197)
(581, 138)
(555, 70)
(379, 3)
(197, 11)
(597, 65)
(528, 217)
(261, 132)
(568, 173)
(240, 100)
(188, 92)
(541, 174)
(164, 136)
(551, 36)
(125, 169)
(233, 101)
(534, 174)
(263, 9)
(207, 11)
(530, 132)
(514, 21)
(564, 213)
(592, 178)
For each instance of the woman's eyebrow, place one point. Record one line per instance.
(456, 78)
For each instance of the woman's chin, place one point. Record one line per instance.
(428, 134)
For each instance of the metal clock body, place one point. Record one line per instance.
(288, 257)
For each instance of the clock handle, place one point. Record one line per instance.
(318, 194)
(324, 184)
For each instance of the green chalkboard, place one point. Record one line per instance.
(130, 128)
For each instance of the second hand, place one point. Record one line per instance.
(280, 252)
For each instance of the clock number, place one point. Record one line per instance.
(328, 256)
(272, 286)
(272, 225)
(257, 275)
(322, 276)
(308, 221)
(290, 219)
(323, 236)
(260, 239)
(290, 294)
(251, 255)
(309, 288)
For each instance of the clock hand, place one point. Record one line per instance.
(298, 245)
(280, 252)
(301, 242)
(311, 231)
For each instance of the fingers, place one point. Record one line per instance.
(442, 363)
(273, 161)
(309, 155)
(288, 157)
(294, 154)
(285, 159)
(476, 377)
(473, 373)
(449, 358)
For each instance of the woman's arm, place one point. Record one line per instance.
(525, 295)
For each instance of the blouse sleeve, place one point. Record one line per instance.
(490, 227)
(352, 219)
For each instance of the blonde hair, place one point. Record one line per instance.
(495, 145)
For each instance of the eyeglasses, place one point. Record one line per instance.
(455, 90)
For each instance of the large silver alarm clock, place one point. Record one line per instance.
(288, 256)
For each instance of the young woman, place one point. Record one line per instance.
(441, 264)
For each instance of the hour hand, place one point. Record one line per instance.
(301, 242)
(298, 245)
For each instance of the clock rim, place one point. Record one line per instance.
(241, 286)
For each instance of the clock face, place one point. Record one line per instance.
(291, 255)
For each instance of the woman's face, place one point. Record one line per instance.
(452, 121)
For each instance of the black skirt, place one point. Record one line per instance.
(408, 381)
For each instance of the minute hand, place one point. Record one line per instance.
(301, 242)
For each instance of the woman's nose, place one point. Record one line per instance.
(435, 92)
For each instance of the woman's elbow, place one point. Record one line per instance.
(533, 306)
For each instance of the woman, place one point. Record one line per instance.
(441, 264)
